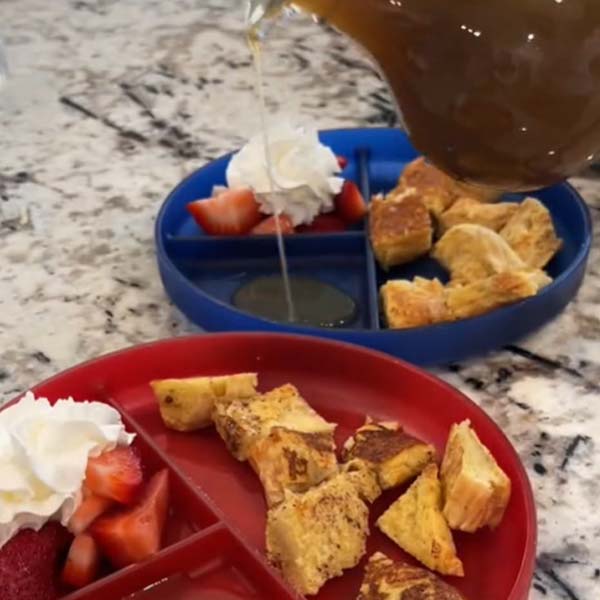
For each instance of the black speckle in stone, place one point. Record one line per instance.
(41, 357)
(455, 368)
(540, 469)
(109, 313)
(540, 588)
(3, 375)
(503, 374)
(475, 383)
(544, 435)
(596, 573)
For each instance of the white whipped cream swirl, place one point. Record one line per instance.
(304, 173)
(44, 451)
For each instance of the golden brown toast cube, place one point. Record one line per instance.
(393, 454)
(187, 404)
(386, 579)
(480, 297)
(245, 421)
(413, 303)
(364, 478)
(530, 233)
(467, 210)
(476, 489)
(473, 252)
(400, 229)
(292, 460)
(416, 523)
(438, 190)
(313, 537)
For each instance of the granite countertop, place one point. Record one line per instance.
(111, 103)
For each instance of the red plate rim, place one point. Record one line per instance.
(525, 574)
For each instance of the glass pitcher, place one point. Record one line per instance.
(504, 93)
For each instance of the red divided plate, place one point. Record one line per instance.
(214, 547)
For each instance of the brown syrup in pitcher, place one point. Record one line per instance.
(283, 298)
(501, 92)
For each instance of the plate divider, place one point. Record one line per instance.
(363, 159)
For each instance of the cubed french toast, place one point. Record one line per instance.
(413, 303)
(468, 210)
(530, 233)
(292, 460)
(438, 190)
(400, 229)
(245, 421)
(476, 490)
(314, 536)
(393, 454)
(187, 404)
(473, 252)
(386, 579)
(485, 295)
(364, 478)
(416, 523)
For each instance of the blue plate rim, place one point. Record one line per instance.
(581, 257)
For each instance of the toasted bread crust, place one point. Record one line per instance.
(476, 490)
(386, 579)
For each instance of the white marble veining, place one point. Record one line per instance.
(111, 102)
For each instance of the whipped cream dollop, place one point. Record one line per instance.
(304, 172)
(44, 451)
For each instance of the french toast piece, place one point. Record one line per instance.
(400, 229)
(480, 297)
(393, 454)
(245, 421)
(413, 303)
(530, 233)
(292, 460)
(363, 477)
(476, 490)
(313, 537)
(438, 190)
(187, 404)
(416, 523)
(386, 579)
(468, 210)
(473, 252)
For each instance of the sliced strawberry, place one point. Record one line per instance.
(324, 224)
(29, 563)
(233, 212)
(88, 511)
(83, 560)
(134, 534)
(269, 226)
(116, 474)
(342, 161)
(349, 203)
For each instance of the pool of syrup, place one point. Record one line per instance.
(316, 303)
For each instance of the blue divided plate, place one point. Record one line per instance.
(201, 273)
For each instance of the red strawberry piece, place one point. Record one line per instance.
(29, 563)
(324, 224)
(83, 561)
(133, 535)
(88, 511)
(233, 212)
(116, 474)
(342, 161)
(269, 226)
(349, 203)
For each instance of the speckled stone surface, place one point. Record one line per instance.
(111, 102)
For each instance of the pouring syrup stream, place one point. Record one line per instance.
(255, 48)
